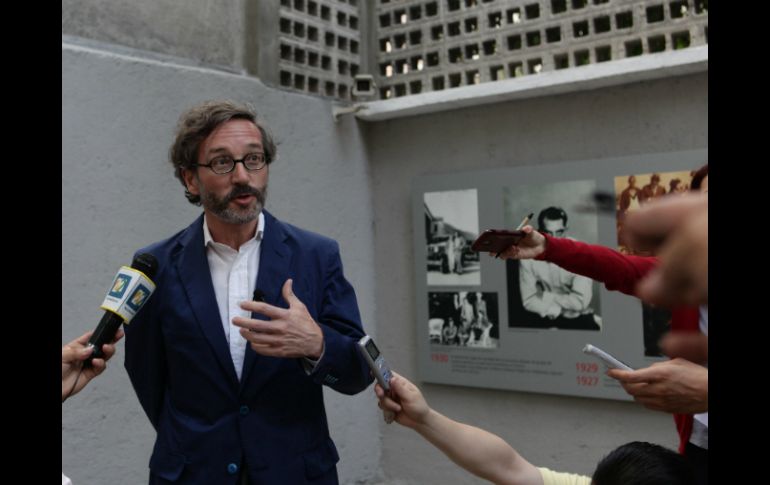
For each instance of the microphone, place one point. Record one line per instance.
(130, 290)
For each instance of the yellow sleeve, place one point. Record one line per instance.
(558, 478)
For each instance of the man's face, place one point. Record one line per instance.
(236, 197)
(553, 227)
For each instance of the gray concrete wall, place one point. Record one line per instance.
(565, 433)
(119, 194)
(208, 31)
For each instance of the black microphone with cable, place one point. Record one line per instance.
(130, 290)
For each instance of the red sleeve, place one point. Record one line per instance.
(618, 272)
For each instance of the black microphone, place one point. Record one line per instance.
(129, 292)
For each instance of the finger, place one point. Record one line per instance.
(389, 404)
(257, 326)
(262, 308)
(118, 335)
(71, 354)
(618, 374)
(635, 389)
(83, 339)
(288, 293)
(647, 374)
(644, 391)
(261, 339)
(108, 350)
(98, 366)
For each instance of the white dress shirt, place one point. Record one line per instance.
(234, 276)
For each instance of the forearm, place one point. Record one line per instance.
(481, 453)
(618, 272)
(342, 367)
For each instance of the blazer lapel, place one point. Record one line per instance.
(274, 260)
(193, 268)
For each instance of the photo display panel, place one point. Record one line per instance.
(522, 325)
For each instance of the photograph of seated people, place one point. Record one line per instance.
(488, 456)
(551, 296)
(680, 385)
(463, 318)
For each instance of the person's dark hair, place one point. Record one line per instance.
(674, 184)
(198, 122)
(655, 178)
(552, 214)
(641, 463)
(697, 179)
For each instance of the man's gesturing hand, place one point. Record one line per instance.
(290, 332)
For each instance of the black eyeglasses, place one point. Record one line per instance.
(226, 164)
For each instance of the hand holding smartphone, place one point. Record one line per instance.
(497, 240)
(608, 359)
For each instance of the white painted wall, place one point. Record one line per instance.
(119, 194)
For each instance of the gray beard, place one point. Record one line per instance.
(221, 207)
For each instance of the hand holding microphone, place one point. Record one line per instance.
(130, 290)
(73, 376)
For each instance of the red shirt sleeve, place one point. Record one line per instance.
(618, 272)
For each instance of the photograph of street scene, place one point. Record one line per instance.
(451, 226)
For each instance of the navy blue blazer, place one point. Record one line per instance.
(178, 359)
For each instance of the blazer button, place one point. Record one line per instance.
(232, 468)
(244, 410)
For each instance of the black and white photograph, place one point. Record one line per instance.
(541, 294)
(463, 319)
(451, 226)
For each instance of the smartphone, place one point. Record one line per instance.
(497, 240)
(377, 363)
(605, 357)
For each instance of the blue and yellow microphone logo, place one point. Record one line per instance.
(119, 286)
(138, 297)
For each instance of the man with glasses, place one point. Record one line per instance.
(561, 297)
(232, 386)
